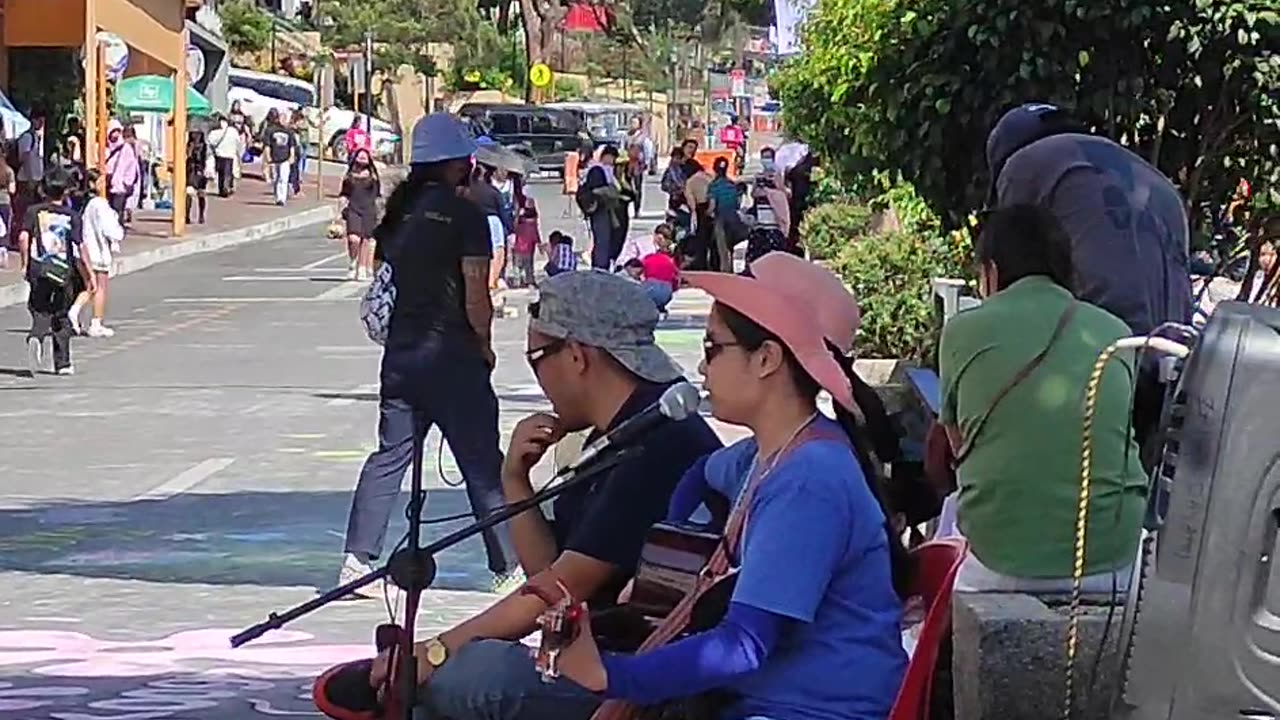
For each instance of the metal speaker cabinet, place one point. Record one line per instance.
(1206, 613)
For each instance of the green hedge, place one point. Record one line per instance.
(829, 228)
(891, 276)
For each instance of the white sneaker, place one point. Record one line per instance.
(35, 356)
(68, 370)
(352, 569)
(98, 330)
(364, 273)
(353, 272)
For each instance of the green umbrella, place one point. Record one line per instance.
(153, 93)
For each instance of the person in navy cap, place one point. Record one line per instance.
(1126, 222)
(438, 359)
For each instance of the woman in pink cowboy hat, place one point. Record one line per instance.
(812, 627)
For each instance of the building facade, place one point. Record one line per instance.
(154, 30)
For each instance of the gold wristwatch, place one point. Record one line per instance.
(437, 653)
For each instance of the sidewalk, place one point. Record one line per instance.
(249, 215)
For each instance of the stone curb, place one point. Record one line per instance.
(16, 293)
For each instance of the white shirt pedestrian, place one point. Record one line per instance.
(31, 155)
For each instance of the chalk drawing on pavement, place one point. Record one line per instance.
(73, 676)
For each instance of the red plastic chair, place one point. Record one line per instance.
(936, 564)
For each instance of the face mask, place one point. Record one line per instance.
(767, 163)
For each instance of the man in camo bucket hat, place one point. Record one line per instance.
(603, 310)
(591, 348)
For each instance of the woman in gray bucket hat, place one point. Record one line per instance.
(438, 357)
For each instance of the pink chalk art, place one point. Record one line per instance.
(185, 672)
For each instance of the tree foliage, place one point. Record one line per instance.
(402, 29)
(912, 88)
(245, 26)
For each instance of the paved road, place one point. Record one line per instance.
(195, 475)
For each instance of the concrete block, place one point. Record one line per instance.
(1009, 657)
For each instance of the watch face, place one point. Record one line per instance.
(437, 653)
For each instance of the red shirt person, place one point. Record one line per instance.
(357, 138)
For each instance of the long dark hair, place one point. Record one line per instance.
(372, 167)
(400, 202)
(751, 336)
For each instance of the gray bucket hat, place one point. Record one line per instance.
(606, 311)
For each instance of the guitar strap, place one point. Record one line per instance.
(717, 568)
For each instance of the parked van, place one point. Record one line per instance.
(544, 134)
(606, 122)
(260, 93)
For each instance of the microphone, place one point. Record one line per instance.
(677, 403)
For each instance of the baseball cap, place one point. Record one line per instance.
(605, 311)
(1017, 129)
(780, 301)
(440, 136)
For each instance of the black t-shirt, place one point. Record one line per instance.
(608, 518)
(281, 141)
(53, 228)
(425, 254)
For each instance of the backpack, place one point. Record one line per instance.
(11, 152)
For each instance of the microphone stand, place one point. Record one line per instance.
(413, 568)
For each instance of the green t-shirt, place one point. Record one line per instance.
(1020, 485)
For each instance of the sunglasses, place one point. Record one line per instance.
(711, 348)
(542, 352)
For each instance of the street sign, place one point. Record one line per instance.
(540, 75)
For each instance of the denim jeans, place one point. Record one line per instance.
(496, 680)
(660, 292)
(602, 239)
(418, 391)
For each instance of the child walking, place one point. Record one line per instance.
(528, 237)
(101, 234)
(49, 246)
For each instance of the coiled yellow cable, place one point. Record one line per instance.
(1086, 471)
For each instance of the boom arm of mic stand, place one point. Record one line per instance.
(275, 621)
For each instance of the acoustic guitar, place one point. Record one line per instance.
(673, 555)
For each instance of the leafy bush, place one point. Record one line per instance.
(891, 276)
(245, 26)
(912, 88)
(829, 228)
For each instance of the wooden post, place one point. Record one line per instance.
(92, 85)
(104, 116)
(322, 82)
(179, 174)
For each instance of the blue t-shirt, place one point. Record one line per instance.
(815, 550)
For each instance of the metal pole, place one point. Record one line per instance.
(368, 82)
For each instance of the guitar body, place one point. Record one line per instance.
(672, 557)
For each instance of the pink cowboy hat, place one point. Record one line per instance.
(781, 302)
(838, 314)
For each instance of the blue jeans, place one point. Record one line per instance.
(422, 387)
(496, 680)
(602, 253)
(660, 292)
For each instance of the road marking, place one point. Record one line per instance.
(346, 290)
(186, 479)
(322, 261)
(274, 278)
(236, 300)
(351, 395)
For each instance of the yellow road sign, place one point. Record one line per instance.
(540, 75)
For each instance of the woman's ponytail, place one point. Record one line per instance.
(874, 441)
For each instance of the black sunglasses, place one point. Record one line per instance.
(712, 348)
(536, 355)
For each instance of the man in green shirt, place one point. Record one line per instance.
(1019, 456)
